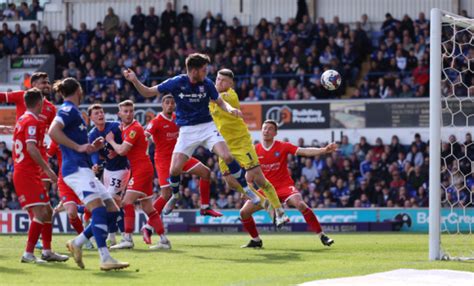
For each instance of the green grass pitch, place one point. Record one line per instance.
(198, 259)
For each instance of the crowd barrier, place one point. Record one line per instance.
(333, 220)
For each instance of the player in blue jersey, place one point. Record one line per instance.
(116, 169)
(192, 93)
(70, 132)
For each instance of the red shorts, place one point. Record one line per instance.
(29, 189)
(284, 193)
(66, 194)
(163, 169)
(141, 182)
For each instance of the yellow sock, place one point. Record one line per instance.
(271, 195)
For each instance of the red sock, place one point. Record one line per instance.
(47, 235)
(76, 223)
(33, 235)
(250, 227)
(159, 204)
(87, 215)
(155, 221)
(311, 220)
(205, 188)
(129, 221)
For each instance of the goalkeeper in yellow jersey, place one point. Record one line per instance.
(235, 132)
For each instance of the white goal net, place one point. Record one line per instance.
(451, 124)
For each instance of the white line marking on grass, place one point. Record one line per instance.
(403, 277)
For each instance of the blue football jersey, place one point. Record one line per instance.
(75, 128)
(118, 162)
(192, 100)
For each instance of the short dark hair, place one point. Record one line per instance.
(272, 122)
(32, 97)
(37, 76)
(127, 102)
(66, 87)
(166, 96)
(93, 107)
(197, 61)
(227, 73)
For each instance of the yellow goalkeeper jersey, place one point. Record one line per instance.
(229, 126)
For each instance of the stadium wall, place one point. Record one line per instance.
(333, 220)
(58, 13)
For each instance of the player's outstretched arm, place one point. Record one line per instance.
(56, 133)
(228, 108)
(311, 152)
(142, 89)
(121, 149)
(36, 156)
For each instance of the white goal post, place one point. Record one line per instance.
(448, 191)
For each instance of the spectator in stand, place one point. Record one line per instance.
(168, 19)
(138, 21)
(185, 19)
(111, 24)
(152, 21)
(208, 23)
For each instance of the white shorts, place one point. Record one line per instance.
(86, 186)
(191, 137)
(116, 181)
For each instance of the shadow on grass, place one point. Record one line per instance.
(210, 245)
(124, 273)
(258, 257)
(151, 251)
(16, 271)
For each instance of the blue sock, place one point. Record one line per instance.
(88, 231)
(112, 221)
(81, 209)
(99, 226)
(238, 173)
(120, 221)
(174, 183)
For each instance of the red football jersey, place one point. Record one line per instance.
(28, 129)
(17, 97)
(54, 150)
(134, 134)
(165, 134)
(274, 162)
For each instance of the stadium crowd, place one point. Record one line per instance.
(272, 61)
(359, 175)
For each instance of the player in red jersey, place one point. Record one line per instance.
(140, 186)
(273, 157)
(39, 80)
(28, 162)
(69, 200)
(164, 131)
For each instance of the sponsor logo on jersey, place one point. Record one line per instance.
(277, 154)
(132, 134)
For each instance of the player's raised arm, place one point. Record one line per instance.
(142, 89)
(35, 154)
(121, 149)
(228, 108)
(311, 151)
(56, 133)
